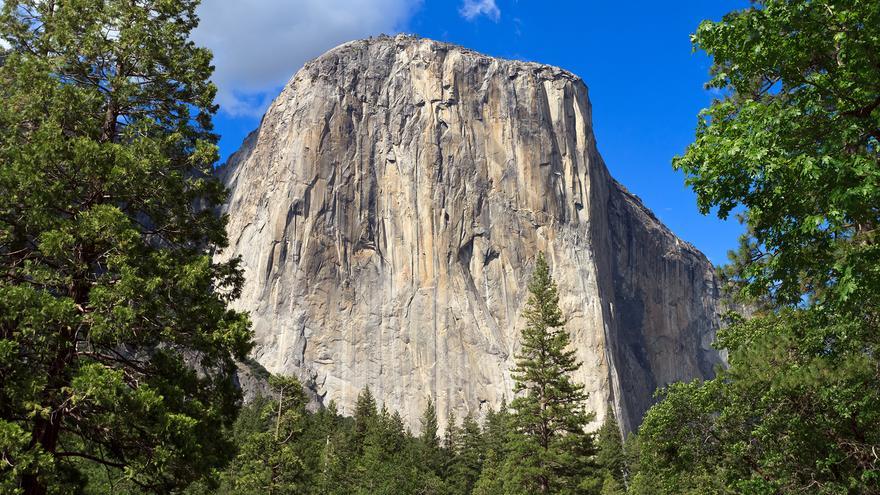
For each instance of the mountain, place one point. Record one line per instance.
(388, 212)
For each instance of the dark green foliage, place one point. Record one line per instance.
(792, 411)
(109, 297)
(365, 412)
(467, 460)
(272, 457)
(495, 437)
(610, 456)
(284, 449)
(549, 449)
(323, 452)
(432, 454)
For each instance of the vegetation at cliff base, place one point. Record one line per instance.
(538, 444)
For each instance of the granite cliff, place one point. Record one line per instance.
(388, 212)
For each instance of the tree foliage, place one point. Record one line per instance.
(610, 455)
(109, 299)
(550, 451)
(794, 144)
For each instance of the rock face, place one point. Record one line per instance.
(388, 212)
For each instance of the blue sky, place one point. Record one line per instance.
(646, 84)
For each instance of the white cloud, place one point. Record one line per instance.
(259, 44)
(475, 8)
(3, 43)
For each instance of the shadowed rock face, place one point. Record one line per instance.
(388, 212)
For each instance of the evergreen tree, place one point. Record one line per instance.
(468, 461)
(610, 455)
(364, 415)
(496, 431)
(430, 451)
(333, 462)
(450, 444)
(108, 291)
(632, 450)
(550, 450)
(274, 459)
(385, 466)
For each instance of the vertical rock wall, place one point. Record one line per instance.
(388, 212)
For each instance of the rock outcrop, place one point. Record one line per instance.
(388, 212)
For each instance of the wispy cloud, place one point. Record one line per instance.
(471, 9)
(259, 44)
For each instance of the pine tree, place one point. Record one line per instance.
(496, 430)
(430, 451)
(450, 436)
(364, 415)
(550, 449)
(332, 463)
(384, 466)
(450, 444)
(610, 456)
(468, 461)
(108, 291)
(275, 460)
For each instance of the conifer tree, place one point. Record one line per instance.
(496, 431)
(364, 414)
(467, 463)
(610, 455)
(450, 437)
(331, 433)
(108, 291)
(431, 453)
(274, 460)
(384, 466)
(550, 449)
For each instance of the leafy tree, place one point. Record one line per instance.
(792, 414)
(551, 451)
(794, 143)
(109, 298)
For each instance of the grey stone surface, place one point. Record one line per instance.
(388, 212)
